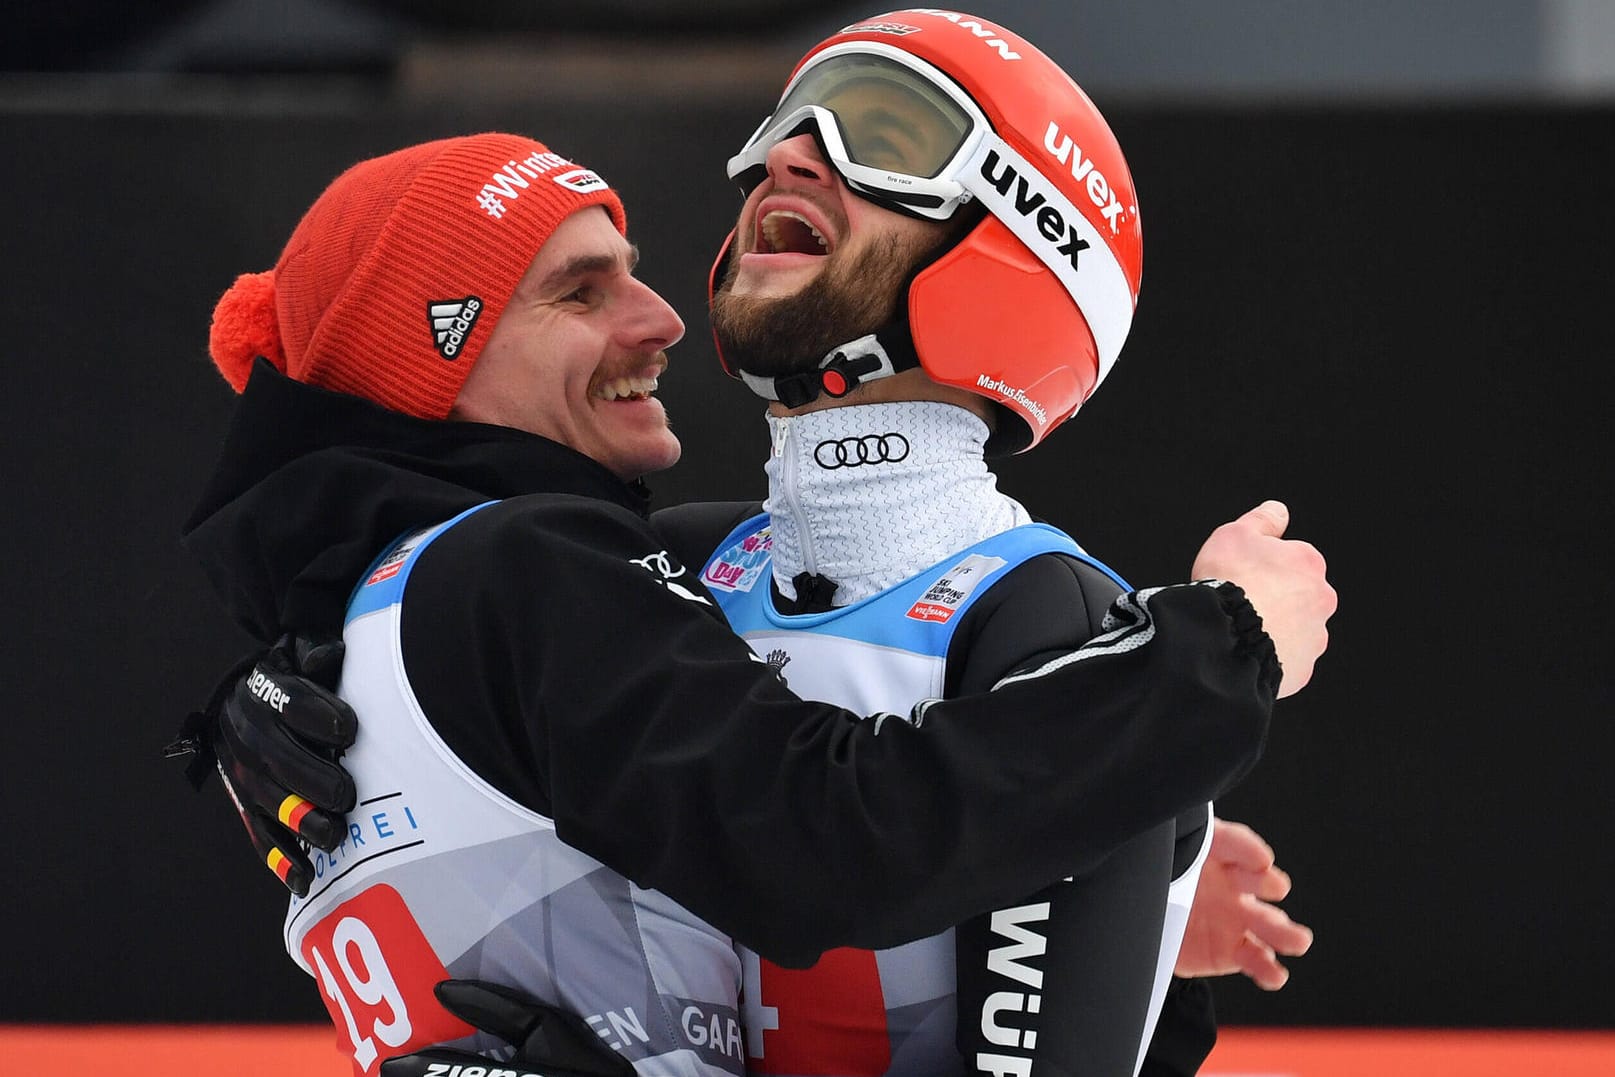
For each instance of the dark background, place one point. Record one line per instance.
(1395, 315)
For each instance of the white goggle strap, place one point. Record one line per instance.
(1059, 234)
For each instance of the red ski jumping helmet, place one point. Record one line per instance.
(1031, 308)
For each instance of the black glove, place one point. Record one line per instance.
(549, 1042)
(274, 731)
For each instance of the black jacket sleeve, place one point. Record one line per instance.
(565, 655)
(693, 530)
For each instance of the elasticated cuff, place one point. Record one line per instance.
(1250, 638)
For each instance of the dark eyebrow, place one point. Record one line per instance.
(584, 265)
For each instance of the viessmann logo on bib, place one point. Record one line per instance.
(394, 561)
(944, 597)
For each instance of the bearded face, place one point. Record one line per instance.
(856, 292)
(814, 265)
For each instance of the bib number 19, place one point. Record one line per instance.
(376, 971)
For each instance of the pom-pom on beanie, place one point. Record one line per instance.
(394, 278)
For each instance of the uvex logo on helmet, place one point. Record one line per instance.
(1028, 200)
(1099, 189)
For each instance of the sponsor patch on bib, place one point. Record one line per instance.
(739, 567)
(944, 597)
(394, 561)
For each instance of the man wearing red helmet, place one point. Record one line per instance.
(987, 608)
(938, 259)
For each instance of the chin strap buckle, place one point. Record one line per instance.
(869, 358)
(841, 374)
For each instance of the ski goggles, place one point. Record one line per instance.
(895, 129)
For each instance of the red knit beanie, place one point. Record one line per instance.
(394, 278)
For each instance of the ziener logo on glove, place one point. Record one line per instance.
(268, 691)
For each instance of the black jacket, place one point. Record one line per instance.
(568, 658)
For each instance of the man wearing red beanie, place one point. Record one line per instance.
(584, 786)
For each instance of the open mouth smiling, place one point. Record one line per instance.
(631, 388)
(785, 231)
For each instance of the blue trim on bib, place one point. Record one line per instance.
(917, 615)
(383, 583)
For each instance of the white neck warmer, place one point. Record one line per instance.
(869, 494)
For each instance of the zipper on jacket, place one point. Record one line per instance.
(785, 454)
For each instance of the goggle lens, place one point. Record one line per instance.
(890, 117)
(894, 133)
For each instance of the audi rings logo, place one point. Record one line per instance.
(856, 452)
